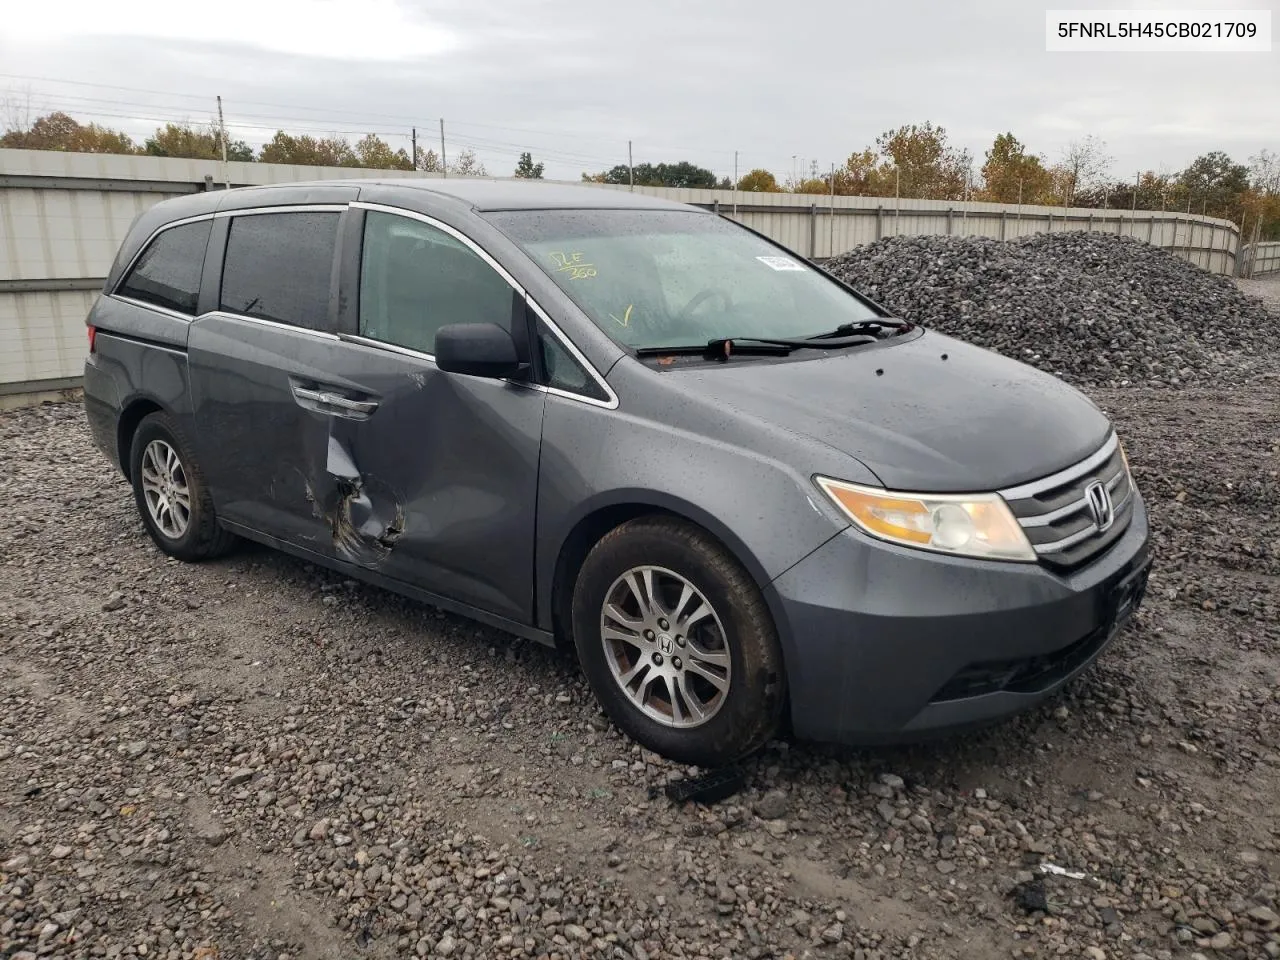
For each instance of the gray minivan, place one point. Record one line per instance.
(745, 494)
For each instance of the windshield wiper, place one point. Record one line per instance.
(723, 345)
(865, 326)
(715, 348)
(845, 335)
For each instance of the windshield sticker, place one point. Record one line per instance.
(578, 269)
(780, 263)
(626, 317)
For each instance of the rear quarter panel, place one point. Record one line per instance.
(139, 356)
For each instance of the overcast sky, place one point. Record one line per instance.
(573, 81)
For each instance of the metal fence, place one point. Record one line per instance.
(63, 215)
(1259, 259)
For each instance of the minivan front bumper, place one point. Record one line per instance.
(885, 644)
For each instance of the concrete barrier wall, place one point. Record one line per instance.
(63, 215)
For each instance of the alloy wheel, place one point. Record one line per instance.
(164, 486)
(665, 646)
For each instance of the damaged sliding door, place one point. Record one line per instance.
(269, 334)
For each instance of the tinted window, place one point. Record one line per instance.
(168, 272)
(415, 279)
(671, 278)
(278, 267)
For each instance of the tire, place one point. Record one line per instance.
(735, 643)
(195, 536)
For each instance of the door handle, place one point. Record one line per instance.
(336, 401)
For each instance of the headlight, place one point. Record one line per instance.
(973, 525)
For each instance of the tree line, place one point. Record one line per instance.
(59, 131)
(911, 161)
(917, 161)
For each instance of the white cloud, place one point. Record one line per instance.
(370, 30)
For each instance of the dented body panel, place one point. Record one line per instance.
(438, 485)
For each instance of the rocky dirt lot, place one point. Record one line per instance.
(255, 758)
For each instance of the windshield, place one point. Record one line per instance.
(671, 278)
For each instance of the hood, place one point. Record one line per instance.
(973, 421)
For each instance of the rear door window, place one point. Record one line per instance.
(168, 272)
(278, 267)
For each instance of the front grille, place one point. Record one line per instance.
(1058, 518)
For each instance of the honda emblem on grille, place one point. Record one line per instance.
(1100, 506)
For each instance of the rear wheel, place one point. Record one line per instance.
(677, 642)
(171, 494)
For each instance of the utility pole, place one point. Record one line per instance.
(415, 147)
(444, 163)
(831, 232)
(631, 169)
(222, 135)
(735, 183)
(1137, 182)
(897, 198)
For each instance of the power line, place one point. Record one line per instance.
(238, 120)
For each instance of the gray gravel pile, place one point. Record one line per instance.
(256, 759)
(1095, 309)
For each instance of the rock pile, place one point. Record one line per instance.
(1095, 309)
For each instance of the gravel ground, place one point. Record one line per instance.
(254, 758)
(1093, 308)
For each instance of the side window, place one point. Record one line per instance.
(278, 266)
(415, 279)
(563, 371)
(168, 272)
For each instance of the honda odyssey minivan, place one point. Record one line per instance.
(748, 497)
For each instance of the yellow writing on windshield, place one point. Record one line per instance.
(626, 317)
(574, 263)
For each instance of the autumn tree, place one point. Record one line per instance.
(813, 185)
(526, 169)
(759, 181)
(309, 151)
(1215, 184)
(864, 174)
(1011, 175)
(195, 143)
(1084, 164)
(1261, 202)
(58, 131)
(374, 153)
(429, 161)
(468, 165)
(925, 163)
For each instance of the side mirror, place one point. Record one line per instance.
(478, 350)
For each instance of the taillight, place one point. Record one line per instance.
(93, 332)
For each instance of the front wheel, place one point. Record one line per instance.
(677, 642)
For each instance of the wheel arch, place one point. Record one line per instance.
(132, 413)
(599, 516)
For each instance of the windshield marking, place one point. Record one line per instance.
(626, 317)
(572, 262)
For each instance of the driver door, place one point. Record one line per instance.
(434, 484)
